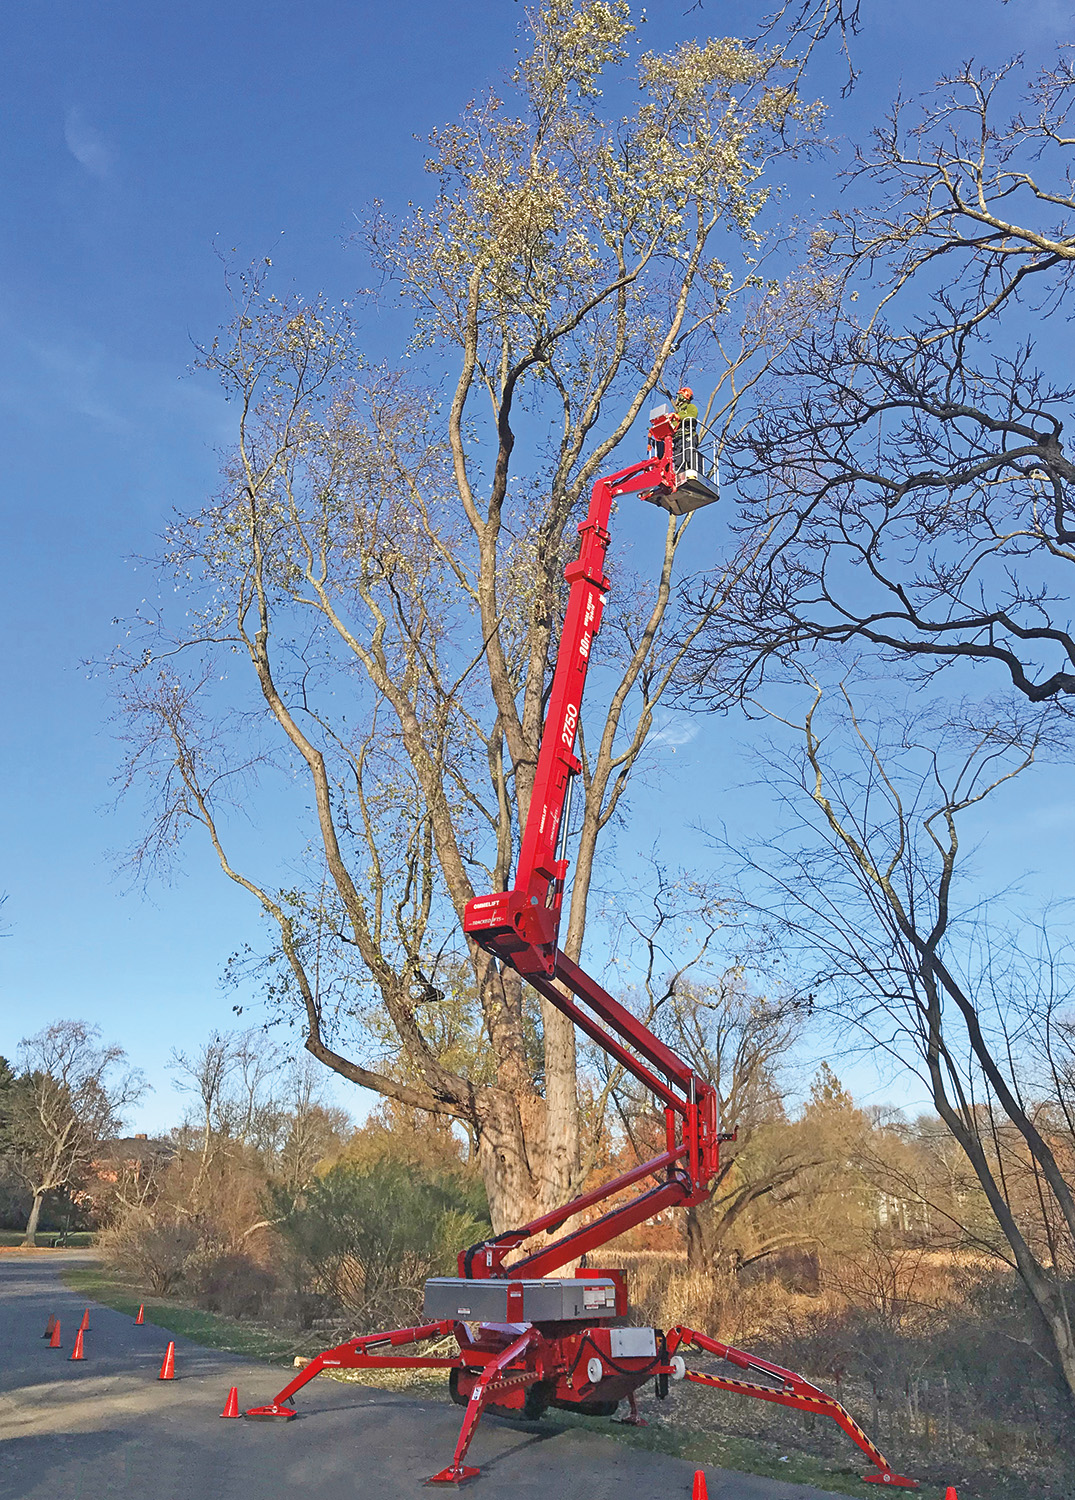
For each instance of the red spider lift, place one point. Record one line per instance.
(527, 1340)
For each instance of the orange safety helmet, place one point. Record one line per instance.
(685, 390)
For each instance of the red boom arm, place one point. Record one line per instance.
(520, 926)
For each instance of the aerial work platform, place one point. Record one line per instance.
(691, 481)
(524, 1339)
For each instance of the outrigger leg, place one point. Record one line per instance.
(354, 1355)
(794, 1391)
(486, 1383)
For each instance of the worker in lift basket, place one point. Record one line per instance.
(685, 452)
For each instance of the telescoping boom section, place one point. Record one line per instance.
(523, 1338)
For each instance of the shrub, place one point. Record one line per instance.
(155, 1252)
(233, 1284)
(370, 1235)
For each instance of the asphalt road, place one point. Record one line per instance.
(107, 1427)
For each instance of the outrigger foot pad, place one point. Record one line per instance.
(273, 1413)
(453, 1474)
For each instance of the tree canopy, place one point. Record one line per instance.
(383, 570)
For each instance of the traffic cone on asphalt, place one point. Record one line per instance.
(168, 1367)
(84, 1326)
(698, 1489)
(141, 1318)
(49, 1326)
(231, 1405)
(54, 1341)
(77, 1351)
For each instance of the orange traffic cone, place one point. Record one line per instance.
(168, 1367)
(950, 1493)
(84, 1326)
(77, 1351)
(49, 1326)
(54, 1341)
(231, 1405)
(698, 1489)
(141, 1318)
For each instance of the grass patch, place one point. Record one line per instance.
(726, 1451)
(251, 1340)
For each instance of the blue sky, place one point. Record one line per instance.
(135, 140)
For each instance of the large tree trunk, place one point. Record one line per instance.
(699, 1256)
(507, 1171)
(30, 1237)
(560, 1136)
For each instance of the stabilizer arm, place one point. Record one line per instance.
(793, 1390)
(354, 1355)
(487, 1381)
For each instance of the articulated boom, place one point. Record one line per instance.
(520, 926)
(527, 1340)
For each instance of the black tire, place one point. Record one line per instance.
(589, 1408)
(536, 1403)
(532, 1409)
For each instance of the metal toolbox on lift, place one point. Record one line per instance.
(552, 1299)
